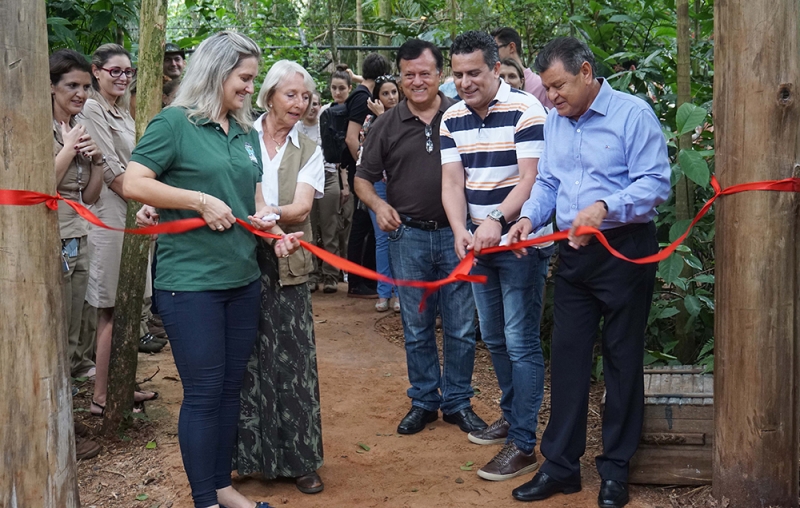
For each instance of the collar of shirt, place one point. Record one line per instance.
(406, 114)
(501, 96)
(114, 110)
(294, 133)
(601, 103)
(233, 126)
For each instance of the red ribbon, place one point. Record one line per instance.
(459, 274)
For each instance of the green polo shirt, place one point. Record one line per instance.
(202, 157)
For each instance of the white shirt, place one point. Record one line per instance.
(312, 173)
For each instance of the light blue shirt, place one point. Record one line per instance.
(615, 152)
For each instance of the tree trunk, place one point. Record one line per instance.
(359, 35)
(36, 434)
(385, 13)
(686, 349)
(332, 34)
(135, 248)
(756, 366)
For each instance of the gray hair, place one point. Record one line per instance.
(278, 73)
(569, 51)
(211, 64)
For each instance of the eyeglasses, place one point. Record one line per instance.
(428, 140)
(503, 45)
(116, 72)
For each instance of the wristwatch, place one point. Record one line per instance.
(497, 216)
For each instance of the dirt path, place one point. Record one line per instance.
(363, 381)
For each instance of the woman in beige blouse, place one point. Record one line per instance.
(110, 124)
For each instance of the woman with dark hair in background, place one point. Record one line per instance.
(329, 212)
(200, 157)
(79, 177)
(108, 121)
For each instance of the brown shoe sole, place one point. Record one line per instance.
(500, 477)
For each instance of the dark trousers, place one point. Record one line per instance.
(592, 284)
(212, 335)
(361, 248)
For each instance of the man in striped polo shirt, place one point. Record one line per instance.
(491, 142)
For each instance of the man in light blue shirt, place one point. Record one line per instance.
(604, 165)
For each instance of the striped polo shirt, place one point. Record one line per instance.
(489, 148)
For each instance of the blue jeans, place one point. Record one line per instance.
(212, 335)
(509, 309)
(382, 247)
(429, 256)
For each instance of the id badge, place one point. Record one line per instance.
(71, 248)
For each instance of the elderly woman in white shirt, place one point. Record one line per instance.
(280, 433)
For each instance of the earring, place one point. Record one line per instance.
(269, 106)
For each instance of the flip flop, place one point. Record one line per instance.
(102, 409)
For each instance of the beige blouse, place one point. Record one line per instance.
(70, 187)
(113, 130)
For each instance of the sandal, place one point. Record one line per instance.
(102, 409)
(152, 397)
(382, 305)
(395, 303)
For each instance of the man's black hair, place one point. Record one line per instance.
(506, 35)
(472, 41)
(569, 51)
(413, 48)
(375, 65)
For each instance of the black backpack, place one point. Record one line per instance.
(333, 130)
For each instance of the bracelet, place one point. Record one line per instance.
(202, 202)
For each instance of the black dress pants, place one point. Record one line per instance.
(592, 284)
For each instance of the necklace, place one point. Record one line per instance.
(279, 145)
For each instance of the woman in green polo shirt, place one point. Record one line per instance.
(200, 156)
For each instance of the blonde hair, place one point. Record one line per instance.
(211, 64)
(100, 58)
(281, 70)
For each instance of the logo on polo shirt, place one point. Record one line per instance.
(251, 153)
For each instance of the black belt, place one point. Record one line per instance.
(627, 229)
(425, 225)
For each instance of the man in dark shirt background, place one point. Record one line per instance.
(361, 244)
(404, 142)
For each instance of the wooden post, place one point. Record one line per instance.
(36, 430)
(135, 248)
(757, 124)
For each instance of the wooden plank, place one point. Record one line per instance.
(671, 465)
(673, 438)
(680, 426)
(652, 411)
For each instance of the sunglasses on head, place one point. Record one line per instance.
(383, 79)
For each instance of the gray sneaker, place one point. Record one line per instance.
(509, 463)
(496, 433)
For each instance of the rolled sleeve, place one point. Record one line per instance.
(313, 173)
(649, 171)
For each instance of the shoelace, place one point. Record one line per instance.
(497, 424)
(505, 454)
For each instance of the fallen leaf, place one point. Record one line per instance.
(363, 446)
(414, 490)
(151, 445)
(470, 463)
(459, 480)
(142, 497)
(466, 468)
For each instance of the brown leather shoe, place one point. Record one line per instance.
(85, 448)
(496, 433)
(509, 463)
(309, 484)
(81, 430)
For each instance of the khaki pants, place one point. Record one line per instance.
(325, 223)
(80, 347)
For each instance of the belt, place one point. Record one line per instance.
(425, 225)
(618, 232)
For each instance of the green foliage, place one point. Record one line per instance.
(84, 25)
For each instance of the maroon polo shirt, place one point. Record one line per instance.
(396, 144)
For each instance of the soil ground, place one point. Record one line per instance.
(363, 381)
